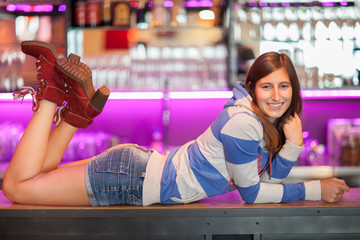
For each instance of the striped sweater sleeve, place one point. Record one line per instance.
(242, 150)
(282, 165)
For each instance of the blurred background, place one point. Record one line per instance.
(171, 65)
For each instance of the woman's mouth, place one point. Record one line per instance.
(275, 105)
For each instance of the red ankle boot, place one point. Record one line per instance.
(50, 85)
(83, 103)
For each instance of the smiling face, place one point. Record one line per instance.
(273, 94)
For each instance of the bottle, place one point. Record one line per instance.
(350, 150)
(92, 15)
(158, 14)
(80, 9)
(121, 14)
(105, 15)
(219, 13)
(140, 15)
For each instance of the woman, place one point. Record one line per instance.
(251, 146)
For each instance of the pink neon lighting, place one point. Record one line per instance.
(200, 94)
(10, 8)
(330, 94)
(62, 8)
(23, 7)
(306, 94)
(253, 4)
(168, 3)
(205, 3)
(194, 3)
(33, 8)
(136, 95)
(43, 8)
(328, 4)
(263, 4)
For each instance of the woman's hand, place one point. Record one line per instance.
(293, 130)
(332, 189)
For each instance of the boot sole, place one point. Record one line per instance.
(39, 44)
(75, 59)
(72, 70)
(100, 96)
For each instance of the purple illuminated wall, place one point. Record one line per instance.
(189, 118)
(136, 119)
(317, 112)
(130, 119)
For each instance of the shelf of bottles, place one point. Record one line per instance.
(27, 20)
(322, 38)
(169, 45)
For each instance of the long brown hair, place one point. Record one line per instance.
(264, 65)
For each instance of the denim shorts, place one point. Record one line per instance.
(116, 176)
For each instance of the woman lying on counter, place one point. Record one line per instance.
(251, 146)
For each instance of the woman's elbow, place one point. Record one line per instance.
(248, 200)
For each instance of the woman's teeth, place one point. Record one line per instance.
(275, 104)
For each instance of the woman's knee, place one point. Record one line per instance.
(8, 189)
(14, 191)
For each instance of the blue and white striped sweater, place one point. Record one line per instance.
(229, 155)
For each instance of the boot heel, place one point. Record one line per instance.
(100, 98)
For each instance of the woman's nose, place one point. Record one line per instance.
(275, 95)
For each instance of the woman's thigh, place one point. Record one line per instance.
(63, 186)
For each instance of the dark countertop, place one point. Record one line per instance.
(211, 218)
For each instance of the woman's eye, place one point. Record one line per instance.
(266, 86)
(284, 85)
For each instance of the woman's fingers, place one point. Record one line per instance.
(293, 130)
(332, 190)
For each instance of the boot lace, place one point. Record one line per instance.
(36, 95)
(28, 90)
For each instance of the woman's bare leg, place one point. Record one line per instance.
(24, 181)
(29, 156)
(63, 186)
(29, 177)
(59, 139)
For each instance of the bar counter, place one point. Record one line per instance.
(220, 217)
